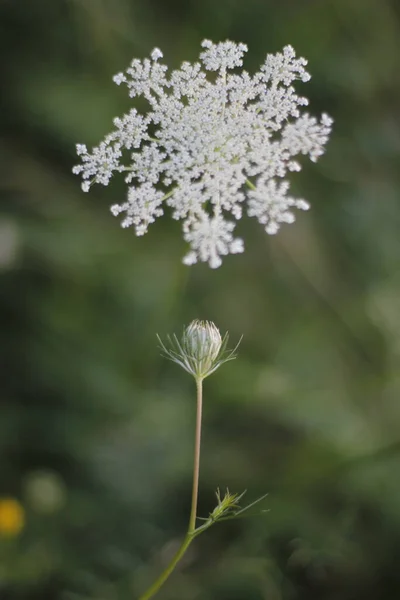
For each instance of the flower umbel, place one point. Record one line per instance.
(208, 144)
(201, 349)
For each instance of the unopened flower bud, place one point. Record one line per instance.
(202, 340)
(201, 350)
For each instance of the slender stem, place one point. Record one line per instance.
(250, 184)
(168, 195)
(196, 464)
(191, 532)
(167, 572)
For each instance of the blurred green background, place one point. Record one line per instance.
(96, 429)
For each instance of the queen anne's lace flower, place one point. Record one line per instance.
(205, 145)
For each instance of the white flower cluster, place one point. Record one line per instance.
(208, 144)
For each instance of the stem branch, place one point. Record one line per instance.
(250, 184)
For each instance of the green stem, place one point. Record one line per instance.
(196, 464)
(168, 195)
(250, 184)
(191, 532)
(167, 572)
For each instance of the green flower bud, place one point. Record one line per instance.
(202, 341)
(201, 349)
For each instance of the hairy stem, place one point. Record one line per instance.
(191, 532)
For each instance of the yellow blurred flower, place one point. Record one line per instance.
(12, 517)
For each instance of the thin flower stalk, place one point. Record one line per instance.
(200, 351)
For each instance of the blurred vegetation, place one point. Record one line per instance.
(96, 428)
